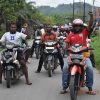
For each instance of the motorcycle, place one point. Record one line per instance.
(61, 40)
(77, 67)
(12, 70)
(37, 47)
(50, 57)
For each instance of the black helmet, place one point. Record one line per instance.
(48, 29)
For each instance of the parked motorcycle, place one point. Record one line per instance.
(50, 57)
(12, 70)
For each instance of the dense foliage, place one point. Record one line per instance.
(96, 46)
(12, 10)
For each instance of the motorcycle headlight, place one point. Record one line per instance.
(15, 61)
(1, 62)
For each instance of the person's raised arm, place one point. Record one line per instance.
(90, 21)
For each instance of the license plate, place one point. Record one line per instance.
(61, 36)
(38, 37)
(37, 42)
(49, 47)
(77, 56)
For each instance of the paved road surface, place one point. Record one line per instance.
(43, 87)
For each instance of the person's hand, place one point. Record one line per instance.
(90, 13)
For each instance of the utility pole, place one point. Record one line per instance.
(84, 12)
(73, 10)
(93, 6)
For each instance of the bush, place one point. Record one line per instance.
(1, 33)
(96, 46)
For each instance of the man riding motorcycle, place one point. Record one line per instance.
(49, 35)
(62, 31)
(37, 33)
(55, 29)
(15, 37)
(79, 36)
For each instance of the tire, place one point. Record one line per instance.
(62, 52)
(8, 78)
(73, 86)
(49, 69)
(55, 63)
(37, 53)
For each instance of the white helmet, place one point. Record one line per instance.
(85, 25)
(54, 26)
(77, 22)
(70, 24)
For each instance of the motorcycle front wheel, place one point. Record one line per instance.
(74, 86)
(8, 78)
(37, 53)
(49, 69)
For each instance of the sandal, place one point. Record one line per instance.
(91, 92)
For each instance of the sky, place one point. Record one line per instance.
(54, 3)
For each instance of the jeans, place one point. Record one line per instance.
(89, 74)
(32, 48)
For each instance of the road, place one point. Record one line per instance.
(43, 87)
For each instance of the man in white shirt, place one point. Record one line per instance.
(15, 37)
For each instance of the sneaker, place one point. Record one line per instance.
(28, 61)
(63, 91)
(0, 81)
(37, 71)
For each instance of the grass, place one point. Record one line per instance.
(96, 45)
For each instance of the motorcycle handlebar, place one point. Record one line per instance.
(82, 50)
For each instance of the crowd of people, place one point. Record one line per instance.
(76, 32)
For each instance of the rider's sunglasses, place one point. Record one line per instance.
(77, 25)
(13, 27)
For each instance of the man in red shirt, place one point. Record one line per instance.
(78, 36)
